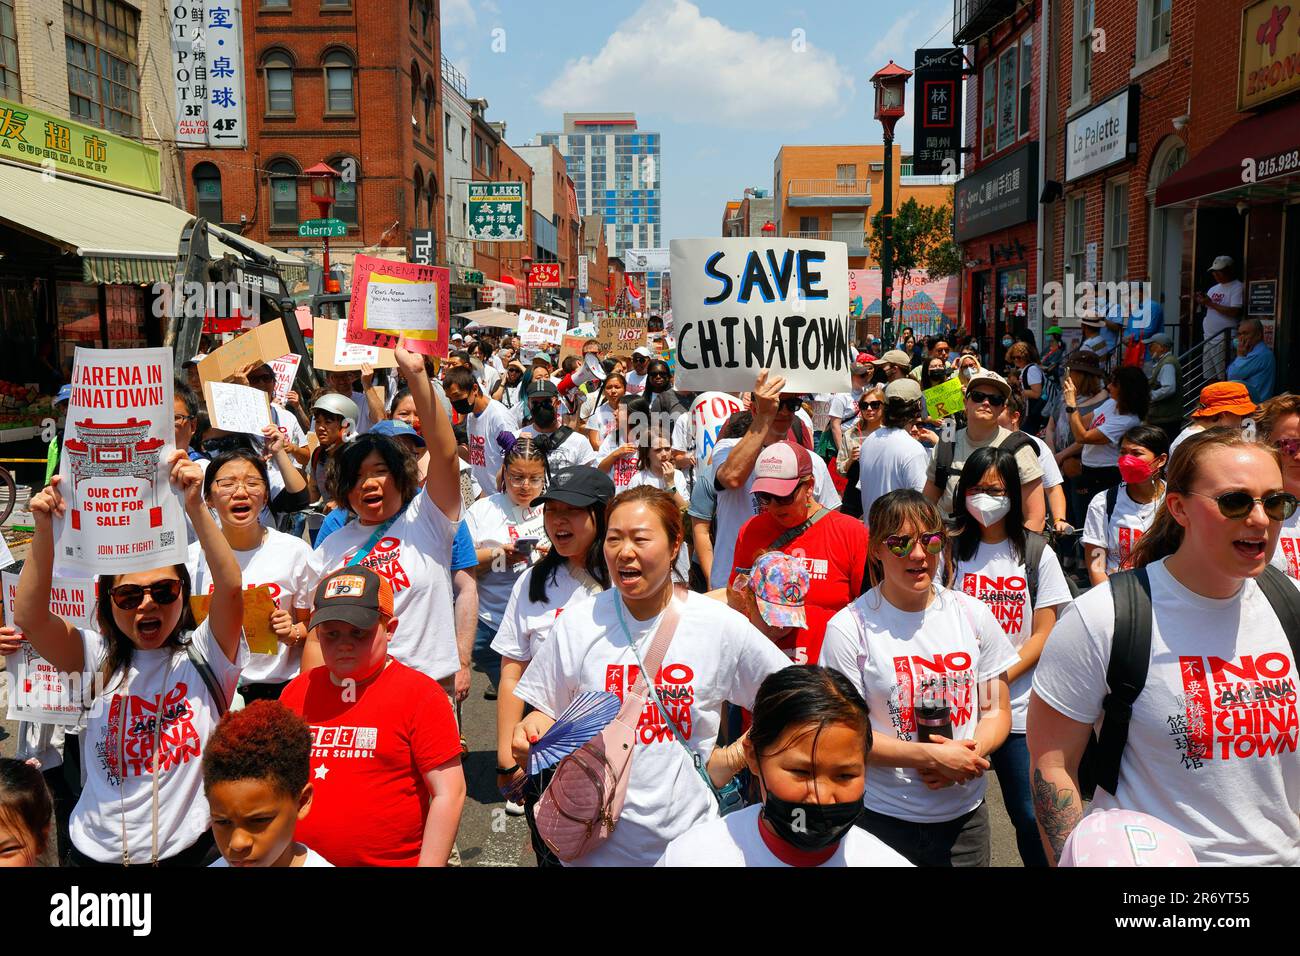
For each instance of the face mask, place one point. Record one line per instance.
(1134, 470)
(462, 406)
(810, 826)
(544, 415)
(988, 509)
(1008, 342)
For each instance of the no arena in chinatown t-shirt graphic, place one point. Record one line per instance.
(941, 680)
(128, 747)
(1234, 710)
(1006, 596)
(386, 561)
(676, 688)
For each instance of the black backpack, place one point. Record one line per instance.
(548, 443)
(944, 451)
(1130, 656)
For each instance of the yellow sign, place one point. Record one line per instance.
(43, 139)
(1270, 53)
(944, 400)
(258, 608)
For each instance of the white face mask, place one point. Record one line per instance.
(988, 509)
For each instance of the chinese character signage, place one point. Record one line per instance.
(208, 68)
(645, 260)
(583, 266)
(936, 147)
(1270, 49)
(544, 275)
(997, 195)
(44, 139)
(496, 212)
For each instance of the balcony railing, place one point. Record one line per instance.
(828, 192)
(853, 238)
(971, 19)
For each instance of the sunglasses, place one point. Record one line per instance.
(1289, 446)
(781, 500)
(1235, 505)
(130, 596)
(900, 545)
(995, 399)
(791, 404)
(871, 406)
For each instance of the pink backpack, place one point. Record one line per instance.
(580, 808)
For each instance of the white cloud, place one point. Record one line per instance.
(458, 14)
(669, 59)
(893, 43)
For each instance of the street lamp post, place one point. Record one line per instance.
(891, 83)
(573, 298)
(323, 178)
(527, 263)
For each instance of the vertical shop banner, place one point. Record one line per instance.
(741, 305)
(937, 106)
(122, 513)
(584, 264)
(496, 212)
(399, 303)
(38, 691)
(207, 42)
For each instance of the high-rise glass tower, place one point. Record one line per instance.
(616, 171)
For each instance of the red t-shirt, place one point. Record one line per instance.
(368, 761)
(834, 551)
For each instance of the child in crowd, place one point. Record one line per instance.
(26, 813)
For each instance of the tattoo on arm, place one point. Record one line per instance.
(1058, 811)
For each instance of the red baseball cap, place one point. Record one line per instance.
(780, 467)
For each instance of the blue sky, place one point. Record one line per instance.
(726, 82)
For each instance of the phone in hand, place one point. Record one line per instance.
(524, 546)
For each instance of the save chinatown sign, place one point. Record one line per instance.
(1270, 53)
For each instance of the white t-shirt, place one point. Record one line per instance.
(602, 421)
(287, 422)
(734, 840)
(624, 467)
(574, 450)
(415, 556)
(684, 435)
(895, 658)
(1047, 461)
(525, 624)
(1226, 294)
(737, 505)
(493, 521)
(1108, 420)
(1182, 436)
(635, 383)
(889, 459)
(163, 676)
(995, 577)
(485, 454)
(1031, 376)
(1287, 556)
(1211, 745)
(287, 567)
(313, 859)
(716, 655)
(845, 404)
(364, 423)
(1118, 535)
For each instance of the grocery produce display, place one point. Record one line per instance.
(23, 406)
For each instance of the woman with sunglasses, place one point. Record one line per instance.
(870, 416)
(1279, 424)
(932, 665)
(993, 549)
(509, 535)
(235, 487)
(1119, 516)
(143, 800)
(1210, 746)
(1130, 395)
(715, 655)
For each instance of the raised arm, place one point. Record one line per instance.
(226, 618)
(53, 638)
(442, 481)
(739, 463)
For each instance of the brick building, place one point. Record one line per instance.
(356, 87)
(557, 207)
(494, 161)
(747, 216)
(595, 248)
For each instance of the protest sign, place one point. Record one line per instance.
(262, 344)
(572, 345)
(621, 334)
(537, 329)
(750, 304)
(38, 691)
(709, 412)
(400, 303)
(237, 408)
(6, 556)
(286, 370)
(258, 608)
(333, 353)
(944, 400)
(303, 314)
(122, 513)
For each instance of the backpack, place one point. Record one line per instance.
(549, 443)
(1130, 656)
(944, 451)
(1112, 498)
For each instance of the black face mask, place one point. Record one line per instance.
(462, 406)
(810, 826)
(544, 415)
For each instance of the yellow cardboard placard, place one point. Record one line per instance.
(946, 399)
(258, 608)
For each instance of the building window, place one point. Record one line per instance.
(336, 4)
(1153, 26)
(284, 194)
(1116, 268)
(430, 130)
(1075, 224)
(1026, 79)
(418, 192)
(846, 173)
(464, 148)
(446, 129)
(1081, 79)
(275, 4)
(9, 83)
(1008, 65)
(277, 68)
(103, 83)
(809, 224)
(207, 192)
(345, 192)
(338, 83)
(415, 87)
(989, 114)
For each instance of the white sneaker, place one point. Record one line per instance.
(514, 809)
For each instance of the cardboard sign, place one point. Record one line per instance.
(122, 513)
(946, 399)
(258, 608)
(537, 329)
(265, 343)
(39, 692)
(572, 345)
(237, 408)
(751, 304)
(332, 353)
(710, 412)
(622, 334)
(400, 303)
(286, 370)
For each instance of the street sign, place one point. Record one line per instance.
(322, 228)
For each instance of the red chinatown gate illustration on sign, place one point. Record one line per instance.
(114, 450)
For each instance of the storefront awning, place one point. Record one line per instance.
(1270, 141)
(121, 237)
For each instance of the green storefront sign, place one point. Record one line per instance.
(322, 228)
(49, 141)
(496, 212)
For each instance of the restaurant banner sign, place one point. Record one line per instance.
(1270, 53)
(52, 142)
(496, 212)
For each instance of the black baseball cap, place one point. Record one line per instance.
(542, 388)
(579, 485)
(354, 595)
